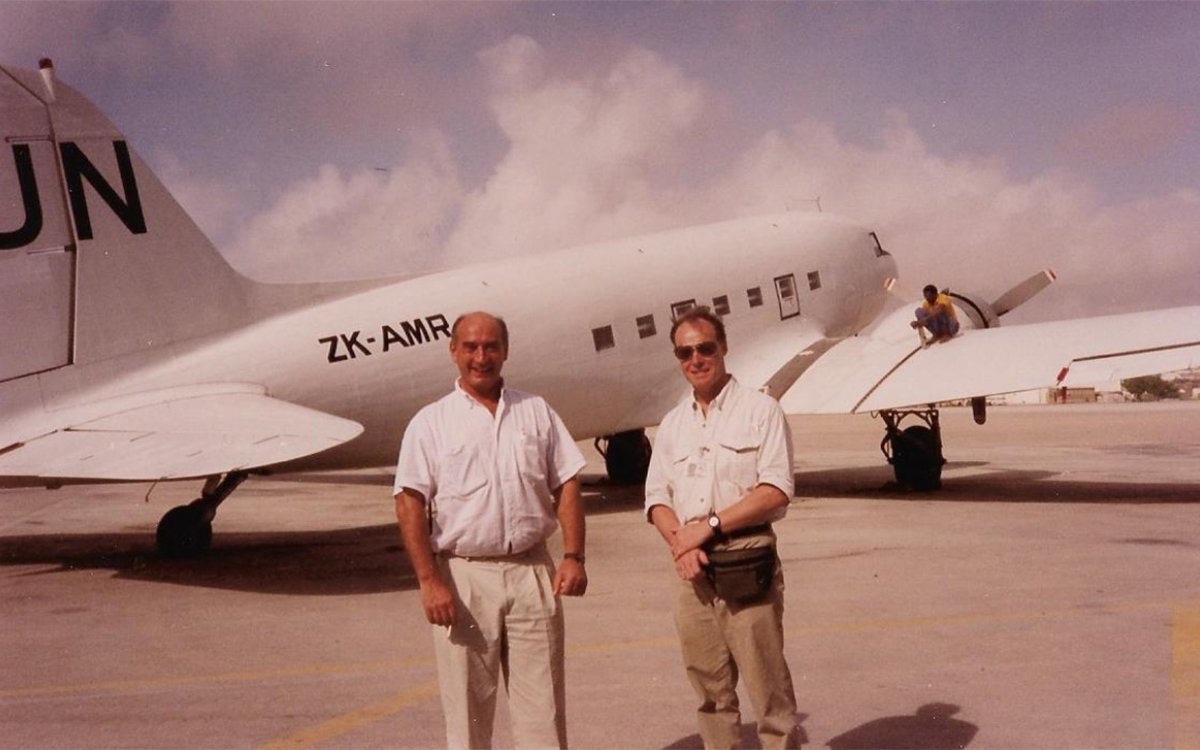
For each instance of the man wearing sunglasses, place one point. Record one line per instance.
(720, 473)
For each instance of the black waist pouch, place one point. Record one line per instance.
(741, 575)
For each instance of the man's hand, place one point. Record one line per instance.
(690, 564)
(438, 602)
(690, 537)
(571, 578)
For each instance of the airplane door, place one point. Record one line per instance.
(37, 258)
(789, 301)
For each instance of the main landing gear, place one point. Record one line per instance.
(186, 530)
(626, 456)
(915, 452)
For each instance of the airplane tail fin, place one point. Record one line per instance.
(97, 259)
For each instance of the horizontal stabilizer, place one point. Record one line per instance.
(183, 435)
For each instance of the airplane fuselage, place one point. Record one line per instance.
(589, 330)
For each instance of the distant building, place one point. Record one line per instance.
(1187, 381)
(1064, 395)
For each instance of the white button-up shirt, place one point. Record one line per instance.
(702, 464)
(489, 477)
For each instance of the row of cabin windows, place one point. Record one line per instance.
(603, 336)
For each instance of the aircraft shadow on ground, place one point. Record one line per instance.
(370, 559)
(1008, 486)
(362, 560)
(365, 560)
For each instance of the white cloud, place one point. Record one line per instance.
(207, 201)
(585, 154)
(367, 223)
(607, 152)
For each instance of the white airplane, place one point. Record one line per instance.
(132, 351)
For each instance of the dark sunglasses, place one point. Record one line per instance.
(707, 349)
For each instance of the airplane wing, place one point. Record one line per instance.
(773, 358)
(177, 433)
(887, 369)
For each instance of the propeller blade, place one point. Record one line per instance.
(1021, 293)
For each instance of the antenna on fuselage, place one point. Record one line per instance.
(46, 68)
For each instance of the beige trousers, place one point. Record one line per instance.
(510, 627)
(722, 642)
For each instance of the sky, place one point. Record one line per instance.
(981, 141)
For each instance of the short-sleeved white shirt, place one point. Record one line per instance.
(703, 464)
(490, 478)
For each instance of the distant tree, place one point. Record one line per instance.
(1150, 388)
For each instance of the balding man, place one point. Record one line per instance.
(485, 475)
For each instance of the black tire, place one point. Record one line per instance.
(627, 457)
(183, 532)
(917, 459)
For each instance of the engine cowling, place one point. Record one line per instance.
(974, 311)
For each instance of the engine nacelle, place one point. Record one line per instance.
(974, 310)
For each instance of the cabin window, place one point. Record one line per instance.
(679, 308)
(645, 325)
(603, 338)
(721, 305)
(814, 280)
(754, 296)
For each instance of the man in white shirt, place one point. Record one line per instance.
(720, 473)
(485, 476)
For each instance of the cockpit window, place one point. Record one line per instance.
(879, 251)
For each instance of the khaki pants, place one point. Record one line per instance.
(721, 642)
(510, 627)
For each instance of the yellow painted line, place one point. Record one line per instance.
(1185, 673)
(348, 722)
(118, 686)
(1185, 677)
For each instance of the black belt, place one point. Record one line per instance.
(762, 528)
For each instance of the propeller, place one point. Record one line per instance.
(1021, 293)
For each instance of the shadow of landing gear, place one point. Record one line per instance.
(932, 727)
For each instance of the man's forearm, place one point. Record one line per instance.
(569, 502)
(410, 513)
(757, 507)
(665, 520)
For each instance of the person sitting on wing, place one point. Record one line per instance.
(936, 314)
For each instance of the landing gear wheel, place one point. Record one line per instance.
(626, 456)
(184, 531)
(916, 458)
(915, 453)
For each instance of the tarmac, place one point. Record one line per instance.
(1046, 597)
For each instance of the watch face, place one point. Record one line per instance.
(714, 522)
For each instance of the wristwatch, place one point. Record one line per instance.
(576, 556)
(714, 523)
